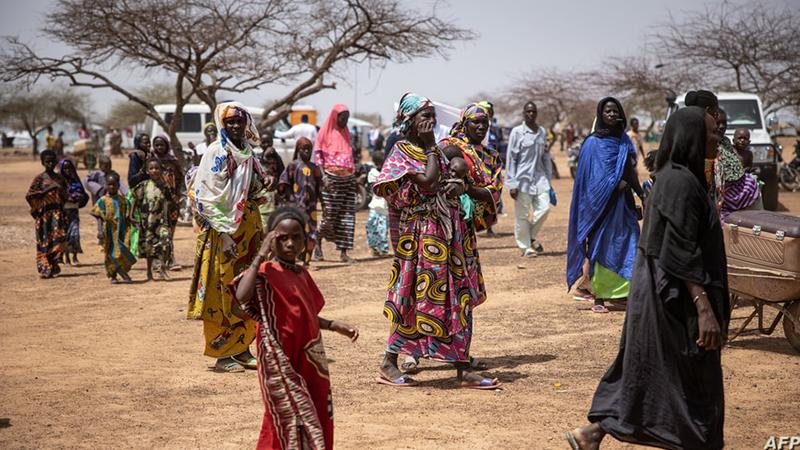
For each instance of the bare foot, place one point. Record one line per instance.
(589, 437)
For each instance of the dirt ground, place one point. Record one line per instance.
(87, 365)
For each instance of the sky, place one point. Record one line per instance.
(512, 37)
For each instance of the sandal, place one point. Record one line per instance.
(400, 382)
(486, 384)
(582, 294)
(571, 440)
(228, 365)
(246, 360)
(600, 309)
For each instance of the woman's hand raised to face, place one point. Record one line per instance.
(425, 132)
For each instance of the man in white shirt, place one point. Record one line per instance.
(302, 129)
(528, 173)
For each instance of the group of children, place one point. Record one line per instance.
(137, 224)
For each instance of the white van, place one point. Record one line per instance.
(195, 115)
(744, 110)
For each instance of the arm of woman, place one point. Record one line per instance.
(709, 335)
(429, 180)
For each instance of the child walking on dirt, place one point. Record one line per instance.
(154, 202)
(76, 199)
(300, 186)
(112, 210)
(292, 366)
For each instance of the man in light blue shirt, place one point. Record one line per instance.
(528, 173)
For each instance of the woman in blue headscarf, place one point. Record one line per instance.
(603, 225)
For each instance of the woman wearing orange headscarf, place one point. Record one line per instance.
(334, 155)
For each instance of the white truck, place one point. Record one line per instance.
(744, 110)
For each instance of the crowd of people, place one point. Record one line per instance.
(257, 233)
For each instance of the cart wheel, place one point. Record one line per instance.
(792, 328)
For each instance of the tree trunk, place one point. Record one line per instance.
(34, 144)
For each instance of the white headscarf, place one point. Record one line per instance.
(223, 177)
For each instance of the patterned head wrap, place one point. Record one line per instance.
(410, 104)
(488, 106)
(235, 109)
(473, 111)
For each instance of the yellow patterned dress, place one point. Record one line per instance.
(209, 299)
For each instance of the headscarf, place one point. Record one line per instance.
(702, 98)
(600, 127)
(602, 228)
(75, 191)
(298, 142)
(169, 156)
(684, 142)
(410, 105)
(223, 177)
(472, 111)
(333, 143)
(137, 141)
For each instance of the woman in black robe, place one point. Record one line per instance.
(665, 387)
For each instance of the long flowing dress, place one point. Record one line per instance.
(303, 181)
(603, 226)
(333, 153)
(113, 212)
(292, 366)
(46, 197)
(227, 186)
(663, 390)
(436, 279)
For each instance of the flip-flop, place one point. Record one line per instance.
(229, 367)
(402, 381)
(486, 384)
(571, 440)
(599, 309)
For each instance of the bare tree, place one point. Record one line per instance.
(234, 46)
(643, 83)
(34, 111)
(561, 96)
(744, 46)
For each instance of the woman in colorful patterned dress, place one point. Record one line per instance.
(226, 188)
(76, 199)
(46, 197)
(435, 280)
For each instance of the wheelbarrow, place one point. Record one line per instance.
(763, 252)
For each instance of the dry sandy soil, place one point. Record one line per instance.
(87, 365)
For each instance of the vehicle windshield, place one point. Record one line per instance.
(742, 114)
